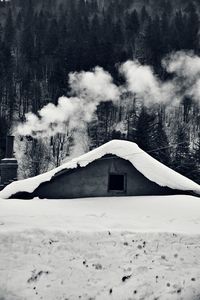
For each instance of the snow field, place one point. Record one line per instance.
(130, 248)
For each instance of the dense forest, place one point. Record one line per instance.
(42, 41)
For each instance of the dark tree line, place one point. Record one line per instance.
(42, 41)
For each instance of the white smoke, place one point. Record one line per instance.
(89, 89)
(72, 113)
(183, 64)
(141, 81)
(185, 69)
(98, 85)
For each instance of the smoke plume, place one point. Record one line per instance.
(89, 89)
(185, 68)
(141, 81)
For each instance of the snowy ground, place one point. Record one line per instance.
(114, 248)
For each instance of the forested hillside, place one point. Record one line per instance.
(42, 41)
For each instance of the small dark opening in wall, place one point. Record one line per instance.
(116, 182)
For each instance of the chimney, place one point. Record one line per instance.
(9, 146)
(8, 165)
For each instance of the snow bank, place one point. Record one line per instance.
(175, 214)
(143, 162)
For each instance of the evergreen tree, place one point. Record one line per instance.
(151, 136)
(9, 30)
(132, 24)
(161, 144)
(165, 34)
(52, 39)
(187, 105)
(132, 29)
(154, 42)
(179, 31)
(192, 28)
(143, 15)
(27, 34)
(183, 162)
(19, 21)
(195, 174)
(145, 130)
(197, 151)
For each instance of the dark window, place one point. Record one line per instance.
(116, 182)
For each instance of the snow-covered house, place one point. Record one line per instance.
(118, 168)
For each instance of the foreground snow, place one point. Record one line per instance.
(143, 162)
(114, 248)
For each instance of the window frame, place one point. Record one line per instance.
(125, 183)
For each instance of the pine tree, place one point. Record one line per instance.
(161, 149)
(132, 27)
(178, 31)
(197, 150)
(154, 42)
(8, 66)
(195, 175)
(165, 34)
(145, 130)
(144, 15)
(187, 105)
(132, 24)
(27, 34)
(9, 30)
(52, 38)
(192, 28)
(151, 136)
(183, 160)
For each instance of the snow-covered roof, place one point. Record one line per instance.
(143, 162)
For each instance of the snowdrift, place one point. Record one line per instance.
(143, 162)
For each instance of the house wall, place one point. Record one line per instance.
(92, 181)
